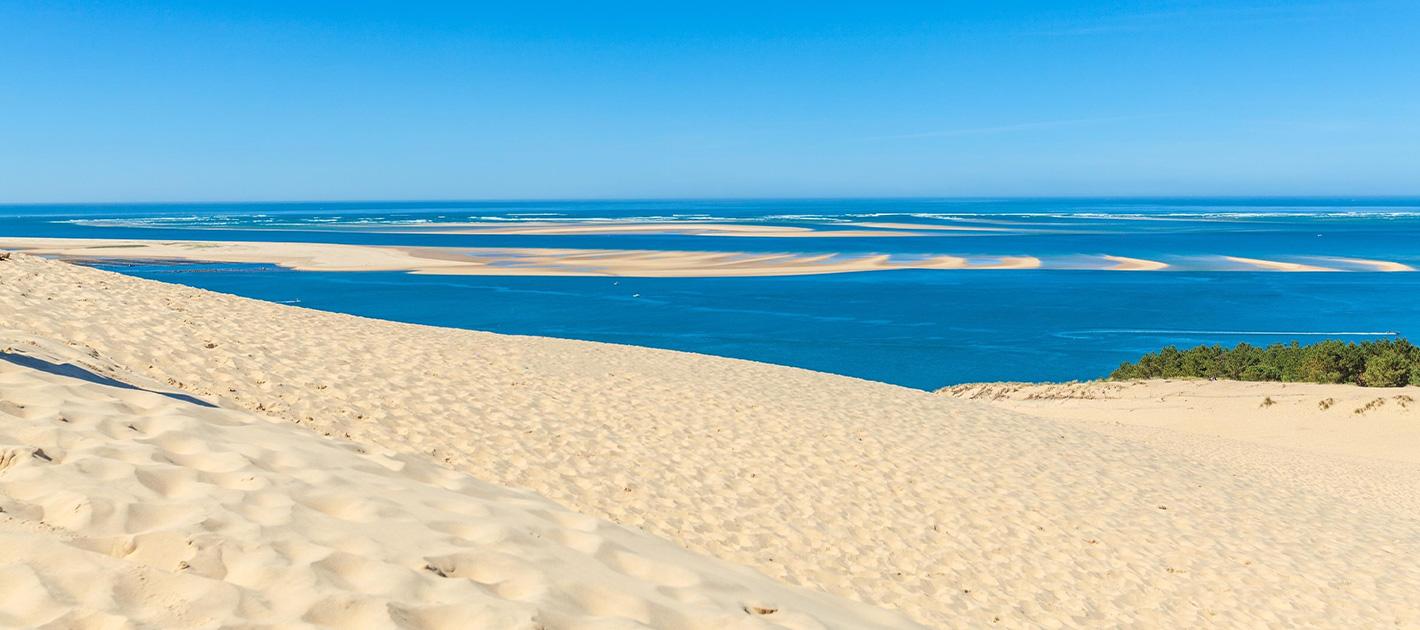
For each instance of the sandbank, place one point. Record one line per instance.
(499, 261)
(1376, 265)
(1124, 263)
(1276, 265)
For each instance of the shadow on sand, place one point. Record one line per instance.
(73, 371)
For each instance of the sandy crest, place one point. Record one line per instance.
(124, 505)
(955, 512)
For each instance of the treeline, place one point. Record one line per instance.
(1387, 363)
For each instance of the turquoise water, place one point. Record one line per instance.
(916, 328)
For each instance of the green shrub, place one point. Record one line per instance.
(1333, 361)
(1245, 362)
(1390, 368)
(1260, 373)
(1386, 363)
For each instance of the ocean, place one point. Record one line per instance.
(1068, 319)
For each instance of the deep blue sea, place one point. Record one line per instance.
(919, 328)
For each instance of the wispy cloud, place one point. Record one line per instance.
(1015, 127)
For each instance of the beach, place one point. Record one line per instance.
(725, 488)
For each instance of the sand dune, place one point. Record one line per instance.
(955, 512)
(122, 503)
(1360, 443)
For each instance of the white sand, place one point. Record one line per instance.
(1361, 443)
(955, 512)
(125, 505)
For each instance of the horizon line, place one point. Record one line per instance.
(1402, 196)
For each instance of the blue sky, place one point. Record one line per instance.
(126, 101)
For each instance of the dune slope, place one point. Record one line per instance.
(1368, 422)
(1360, 444)
(955, 512)
(125, 504)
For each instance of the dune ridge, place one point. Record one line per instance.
(955, 512)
